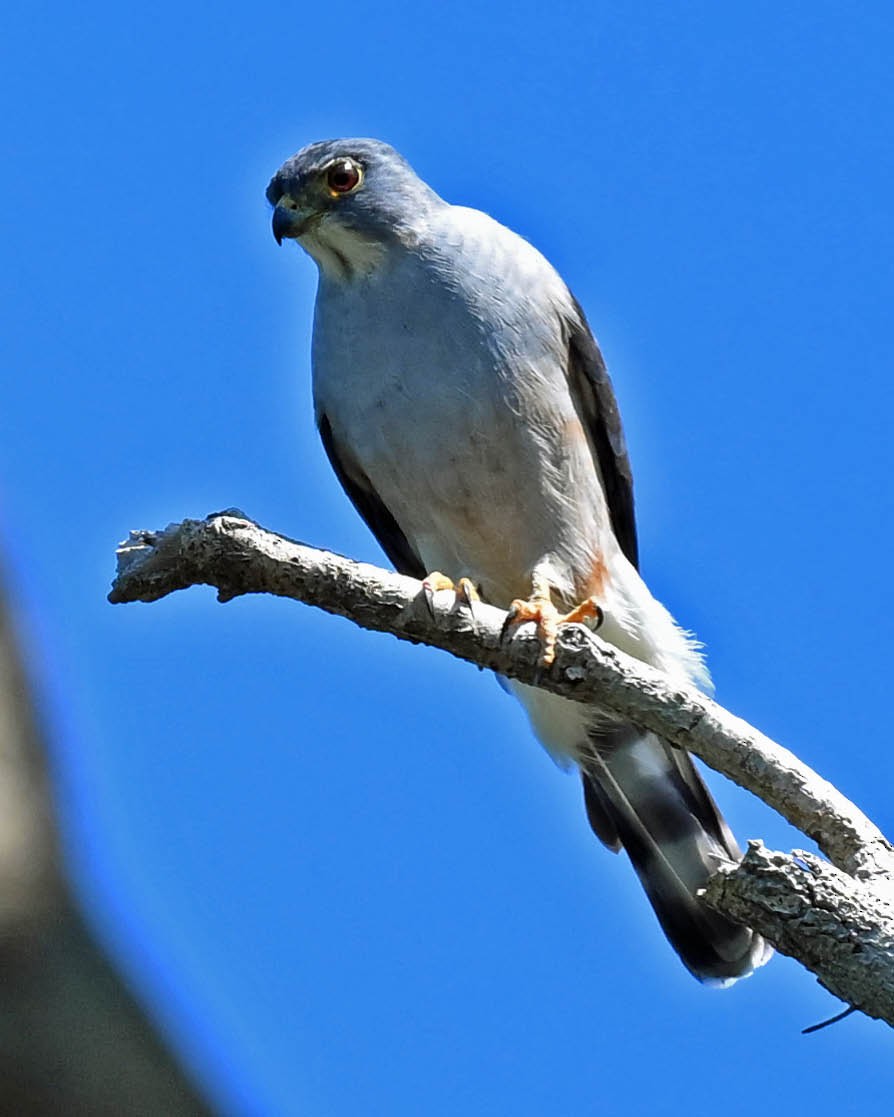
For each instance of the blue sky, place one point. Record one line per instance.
(340, 870)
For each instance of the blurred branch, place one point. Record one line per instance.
(237, 557)
(73, 1041)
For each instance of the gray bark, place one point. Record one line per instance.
(838, 919)
(840, 928)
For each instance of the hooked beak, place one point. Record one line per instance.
(288, 220)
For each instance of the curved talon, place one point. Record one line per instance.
(547, 617)
(508, 623)
(464, 589)
(467, 594)
(588, 611)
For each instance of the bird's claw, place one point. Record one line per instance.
(589, 612)
(510, 622)
(547, 618)
(465, 593)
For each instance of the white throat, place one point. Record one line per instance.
(341, 253)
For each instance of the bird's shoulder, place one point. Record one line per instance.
(463, 224)
(477, 252)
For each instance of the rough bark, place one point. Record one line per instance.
(73, 1041)
(839, 922)
(840, 928)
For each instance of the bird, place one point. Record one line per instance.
(466, 410)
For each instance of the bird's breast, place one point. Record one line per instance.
(460, 421)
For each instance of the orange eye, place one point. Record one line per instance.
(343, 176)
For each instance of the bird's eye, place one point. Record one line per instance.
(343, 176)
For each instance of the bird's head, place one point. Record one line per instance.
(345, 201)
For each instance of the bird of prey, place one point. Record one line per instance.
(467, 412)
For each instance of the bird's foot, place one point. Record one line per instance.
(465, 592)
(539, 608)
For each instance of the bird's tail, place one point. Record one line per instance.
(645, 795)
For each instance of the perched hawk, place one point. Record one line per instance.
(467, 411)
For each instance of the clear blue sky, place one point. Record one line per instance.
(339, 869)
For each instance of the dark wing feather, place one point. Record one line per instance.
(367, 502)
(597, 409)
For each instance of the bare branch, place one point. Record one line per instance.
(238, 557)
(839, 928)
(772, 892)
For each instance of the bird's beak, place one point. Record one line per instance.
(289, 220)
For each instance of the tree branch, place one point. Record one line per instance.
(237, 556)
(840, 928)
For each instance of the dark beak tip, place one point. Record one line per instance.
(283, 225)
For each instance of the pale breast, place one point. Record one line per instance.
(450, 391)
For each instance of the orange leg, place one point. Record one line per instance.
(539, 608)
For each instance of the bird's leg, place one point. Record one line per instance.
(540, 609)
(465, 591)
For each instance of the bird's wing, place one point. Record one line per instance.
(596, 406)
(370, 506)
